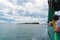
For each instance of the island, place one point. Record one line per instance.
(30, 23)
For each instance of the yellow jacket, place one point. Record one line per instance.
(53, 24)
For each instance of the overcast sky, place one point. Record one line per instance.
(20, 11)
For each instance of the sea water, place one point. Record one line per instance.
(23, 32)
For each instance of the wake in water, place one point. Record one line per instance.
(40, 37)
(34, 38)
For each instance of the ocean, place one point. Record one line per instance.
(23, 32)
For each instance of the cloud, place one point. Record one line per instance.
(35, 6)
(28, 19)
(27, 11)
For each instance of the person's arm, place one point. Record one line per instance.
(57, 29)
(50, 23)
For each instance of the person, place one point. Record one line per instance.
(57, 29)
(52, 23)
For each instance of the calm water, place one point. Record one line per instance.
(23, 32)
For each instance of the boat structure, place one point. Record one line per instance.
(54, 5)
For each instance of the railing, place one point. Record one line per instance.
(52, 35)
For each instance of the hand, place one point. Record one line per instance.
(50, 23)
(56, 30)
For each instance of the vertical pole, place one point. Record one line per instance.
(51, 10)
(50, 29)
(50, 14)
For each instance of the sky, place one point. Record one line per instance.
(22, 11)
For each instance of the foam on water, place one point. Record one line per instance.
(34, 38)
